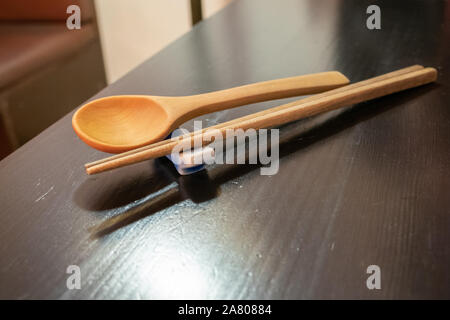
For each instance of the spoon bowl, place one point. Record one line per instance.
(117, 124)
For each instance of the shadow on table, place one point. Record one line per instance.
(141, 193)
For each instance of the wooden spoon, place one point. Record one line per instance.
(120, 123)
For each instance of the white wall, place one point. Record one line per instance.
(133, 30)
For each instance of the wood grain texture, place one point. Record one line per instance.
(276, 116)
(359, 186)
(121, 123)
(261, 113)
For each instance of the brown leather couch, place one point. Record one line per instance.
(46, 70)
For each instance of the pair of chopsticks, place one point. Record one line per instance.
(369, 89)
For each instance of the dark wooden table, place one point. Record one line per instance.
(369, 185)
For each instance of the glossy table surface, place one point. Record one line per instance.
(368, 185)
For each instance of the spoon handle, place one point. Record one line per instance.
(189, 107)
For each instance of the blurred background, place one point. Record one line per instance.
(47, 70)
(124, 24)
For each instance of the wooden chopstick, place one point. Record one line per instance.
(358, 92)
(267, 111)
(166, 146)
